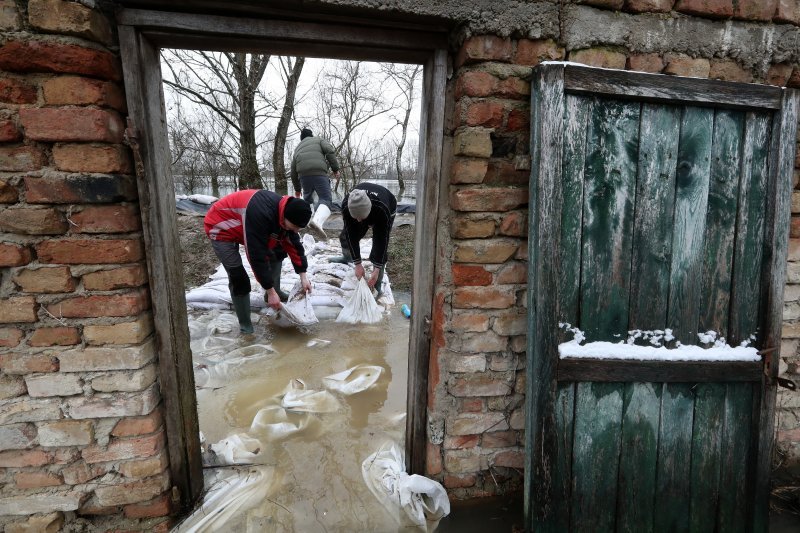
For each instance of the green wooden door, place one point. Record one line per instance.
(656, 203)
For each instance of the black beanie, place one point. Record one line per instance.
(297, 211)
(306, 133)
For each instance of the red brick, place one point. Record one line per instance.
(459, 482)
(681, 65)
(483, 298)
(475, 83)
(70, 18)
(760, 10)
(512, 274)
(140, 425)
(468, 170)
(794, 83)
(21, 158)
(513, 87)
(24, 458)
(34, 480)
(488, 199)
(649, 6)
(9, 131)
(433, 459)
(729, 71)
(503, 172)
(469, 228)
(788, 11)
(482, 113)
(514, 224)
(471, 275)
(80, 189)
(20, 363)
(74, 90)
(794, 228)
(17, 309)
(472, 405)
(484, 48)
(608, 4)
(161, 506)
(511, 459)
(479, 385)
(10, 337)
(45, 280)
(14, 91)
(534, 52)
(14, 254)
(71, 124)
(107, 219)
(599, 57)
(90, 251)
(44, 56)
(471, 322)
(106, 158)
(130, 448)
(779, 74)
(519, 119)
(33, 221)
(58, 336)
(9, 16)
(117, 278)
(499, 439)
(706, 8)
(79, 472)
(461, 442)
(8, 192)
(98, 306)
(652, 63)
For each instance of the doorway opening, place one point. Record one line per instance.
(143, 36)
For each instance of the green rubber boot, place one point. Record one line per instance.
(343, 259)
(241, 304)
(379, 283)
(275, 270)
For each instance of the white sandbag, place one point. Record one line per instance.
(236, 449)
(319, 343)
(273, 423)
(353, 380)
(327, 312)
(221, 369)
(329, 300)
(423, 501)
(297, 311)
(229, 495)
(298, 398)
(205, 199)
(361, 308)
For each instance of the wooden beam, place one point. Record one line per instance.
(779, 194)
(669, 89)
(658, 371)
(157, 203)
(255, 30)
(419, 343)
(545, 203)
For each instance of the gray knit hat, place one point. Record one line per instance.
(359, 204)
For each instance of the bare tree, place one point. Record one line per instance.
(227, 84)
(291, 71)
(405, 77)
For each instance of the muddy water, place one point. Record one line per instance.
(316, 473)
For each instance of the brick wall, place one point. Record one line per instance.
(477, 381)
(80, 413)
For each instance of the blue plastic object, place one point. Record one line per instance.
(406, 310)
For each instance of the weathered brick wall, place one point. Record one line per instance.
(477, 380)
(81, 432)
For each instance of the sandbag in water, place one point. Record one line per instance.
(361, 308)
(353, 380)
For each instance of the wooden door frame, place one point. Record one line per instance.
(551, 83)
(142, 34)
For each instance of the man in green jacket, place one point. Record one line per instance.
(310, 163)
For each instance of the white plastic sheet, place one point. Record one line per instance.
(361, 308)
(297, 311)
(423, 501)
(353, 380)
(273, 423)
(231, 493)
(236, 449)
(301, 399)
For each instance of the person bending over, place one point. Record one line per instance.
(266, 224)
(368, 205)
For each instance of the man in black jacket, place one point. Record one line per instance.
(367, 206)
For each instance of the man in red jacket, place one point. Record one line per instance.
(266, 224)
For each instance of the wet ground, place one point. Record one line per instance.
(314, 475)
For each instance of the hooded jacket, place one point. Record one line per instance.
(311, 158)
(254, 218)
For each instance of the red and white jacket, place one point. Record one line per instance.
(254, 219)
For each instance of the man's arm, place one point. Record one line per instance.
(330, 155)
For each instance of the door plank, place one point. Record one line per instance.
(709, 415)
(734, 456)
(691, 200)
(611, 160)
(721, 221)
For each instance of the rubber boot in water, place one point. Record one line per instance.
(275, 269)
(241, 304)
(315, 226)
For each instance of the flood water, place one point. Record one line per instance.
(311, 480)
